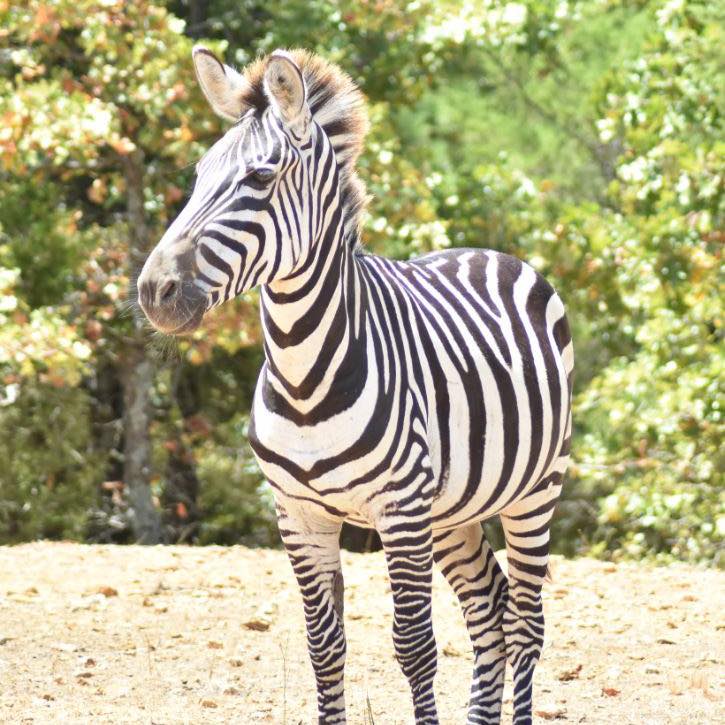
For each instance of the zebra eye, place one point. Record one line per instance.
(262, 176)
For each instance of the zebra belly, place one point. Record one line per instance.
(498, 399)
(495, 447)
(484, 472)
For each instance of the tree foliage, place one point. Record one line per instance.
(584, 137)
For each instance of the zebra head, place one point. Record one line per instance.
(255, 211)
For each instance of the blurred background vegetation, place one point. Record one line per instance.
(584, 137)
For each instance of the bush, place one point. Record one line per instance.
(50, 472)
(235, 502)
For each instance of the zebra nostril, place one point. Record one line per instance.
(145, 293)
(167, 290)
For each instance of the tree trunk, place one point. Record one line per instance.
(104, 525)
(137, 372)
(137, 377)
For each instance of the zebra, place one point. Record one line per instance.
(417, 397)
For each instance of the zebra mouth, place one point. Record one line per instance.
(186, 328)
(183, 319)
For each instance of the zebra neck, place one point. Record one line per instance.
(314, 336)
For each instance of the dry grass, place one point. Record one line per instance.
(184, 635)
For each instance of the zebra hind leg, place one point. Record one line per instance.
(467, 561)
(313, 548)
(526, 528)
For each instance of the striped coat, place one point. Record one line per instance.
(419, 398)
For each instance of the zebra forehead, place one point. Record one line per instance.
(337, 107)
(237, 146)
(335, 101)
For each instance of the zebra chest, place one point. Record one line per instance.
(296, 448)
(322, 456)
(316, 466)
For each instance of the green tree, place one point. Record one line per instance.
(101, 116)
(584, 137)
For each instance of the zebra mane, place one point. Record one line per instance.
(338, 106)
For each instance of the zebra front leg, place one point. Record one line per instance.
(313, 547)
(468, 563)
(526, 528)
(408, 551)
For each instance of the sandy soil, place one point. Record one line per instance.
(187, 635)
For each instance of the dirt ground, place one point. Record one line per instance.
(108, 634)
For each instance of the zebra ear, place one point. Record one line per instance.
(285, 88)
(222, 85)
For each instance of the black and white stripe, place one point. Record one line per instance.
(419, 398)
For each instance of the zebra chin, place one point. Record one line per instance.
(181, 326)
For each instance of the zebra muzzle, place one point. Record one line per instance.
(173, 305)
